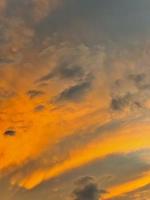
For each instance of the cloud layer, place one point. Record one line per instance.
(74, 99)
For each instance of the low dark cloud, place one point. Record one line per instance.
(35, 93)
(46, 77)
(74, 93)
(119, 103)
(87, 189)
(73, 71)
(138, 79)
(64, 71)
(141, 80)
(9, 132)
(131, 91)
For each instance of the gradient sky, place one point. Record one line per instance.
(75, 99)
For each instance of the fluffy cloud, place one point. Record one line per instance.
(87, 189)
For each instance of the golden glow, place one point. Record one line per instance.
(127, 187)
(38, 134)
(124, 141)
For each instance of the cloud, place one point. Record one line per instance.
(4, 61)
(6, 94)
(140, 193)
(119, 103)
(2, 5)
(97, 149)
(138, 79)
(9, 132)
(35, 93)
(38, 10)
(87, 189)
(39, 108)
(131, 91)
(43, 8)
(129, 186)
(15, 36)
(74, 93)
(65, 71)
(25, 32)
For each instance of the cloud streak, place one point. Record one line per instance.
(96, 150)
(128, 187)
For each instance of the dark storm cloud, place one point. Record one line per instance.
(87, 189)
(74, 93)
(35, 93)
(65, 71)
(9, 132)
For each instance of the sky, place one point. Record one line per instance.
(74, 99)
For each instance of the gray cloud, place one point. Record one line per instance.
(138, 79)
(119, 103)
(35, 93)
(73, 71)
(87, 189)
(16, 35)
(93, 21)
(65, 71)
(128, 100)
(37, 10)
(4, 61)
(74, 93)
(130, 91)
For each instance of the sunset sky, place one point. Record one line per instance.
(74, 100)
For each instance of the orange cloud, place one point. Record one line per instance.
(127, 187)
(2, 5)
(125, 140)
(37, 132)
